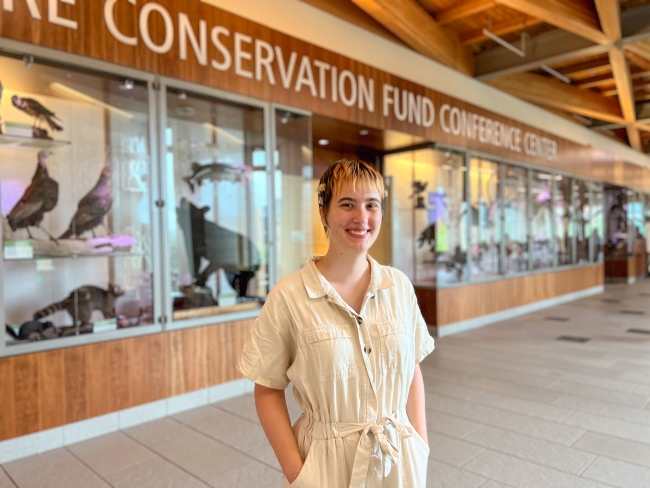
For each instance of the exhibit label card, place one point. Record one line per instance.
(18, 250)
(106, 325)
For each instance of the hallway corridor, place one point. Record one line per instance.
(509, 405)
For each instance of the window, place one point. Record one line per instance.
(583, 224)
(542, 220)
(515, 219)
(75, 188)
(216, 177)
(295, 193)
(429, 215)
(485, 218)
(564, 219)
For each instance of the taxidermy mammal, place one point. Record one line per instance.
(34, 331)
(87, 299)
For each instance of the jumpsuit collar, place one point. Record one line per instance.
(317, 286)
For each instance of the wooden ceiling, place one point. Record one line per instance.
(601, 47)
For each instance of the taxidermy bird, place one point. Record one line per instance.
(92, 208)
(39, 112)
(40, 197)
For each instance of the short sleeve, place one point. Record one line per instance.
(270, 350)
(424, 343)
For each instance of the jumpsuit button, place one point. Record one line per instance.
(359, 320)
(366, 350)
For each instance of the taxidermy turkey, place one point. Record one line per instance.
(92, 208)
(38, 111)
(40, 197)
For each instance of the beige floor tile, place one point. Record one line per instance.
(643, 390)
(451, 451)
(618, 473)
(230, 429)
(452, 406)
(202, 456)
(584, 379)
(449, 425)
(5, 481)
(523, 424)
(614, 447)
(253, 476)
(54, 469)
(621, 412)
(441, 475)
(535, 450)
(244, 406)
(265, 455)
(158, 431)
(517, 405)
(450, 389)
(524, 474)
(635, 399)
(609, 426)
(636, 377)
(529, 393)
(110, 453)
(155, 473)
(197, 414)
(494, 484)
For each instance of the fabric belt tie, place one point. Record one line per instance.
(390, 453)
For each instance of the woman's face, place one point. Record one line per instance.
(353, 219)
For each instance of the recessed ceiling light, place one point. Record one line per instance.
(323, 142)
(364, 132)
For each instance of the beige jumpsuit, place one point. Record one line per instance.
(351, 374)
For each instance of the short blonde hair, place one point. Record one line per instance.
(354, 172)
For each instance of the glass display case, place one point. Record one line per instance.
(75, 199)
(542, 219)
(485, 217)
(597, 219)
(516, 227)
(564, 219)
(217, 221)
(429, 220)
(582, 204)
(618, 242)
(295, 190)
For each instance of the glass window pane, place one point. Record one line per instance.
(515, 221)
(485, 230)
(75, 193)
(597, 219)
(429, 215)
(295, 195)
(541, 224)
(564, 223)
(217, 178)
(582, 220)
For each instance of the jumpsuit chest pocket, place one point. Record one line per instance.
(397, 346)
(332, 352)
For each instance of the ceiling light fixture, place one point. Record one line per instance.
(61, 88)
(323, 142)
(364, 132)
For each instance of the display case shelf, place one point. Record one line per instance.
(21, 142)
(39, 257)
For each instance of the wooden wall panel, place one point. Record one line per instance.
(468, 302)
(53, 388)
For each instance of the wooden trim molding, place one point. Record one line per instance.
(54, 388)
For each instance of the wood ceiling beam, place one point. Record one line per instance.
(500, 29)
(556, 94)
(411, 23)
(587, 69)
(609, 15)
(621, 71)
(639, 54)
(637, 85)
(563, 15)
(608, 79)
(463, 9)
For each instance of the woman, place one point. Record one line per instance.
(349, 335)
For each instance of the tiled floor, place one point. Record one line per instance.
(508, 406)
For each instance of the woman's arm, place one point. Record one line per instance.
(273, 414)
(415, 404)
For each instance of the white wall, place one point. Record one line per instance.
(315, 26)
